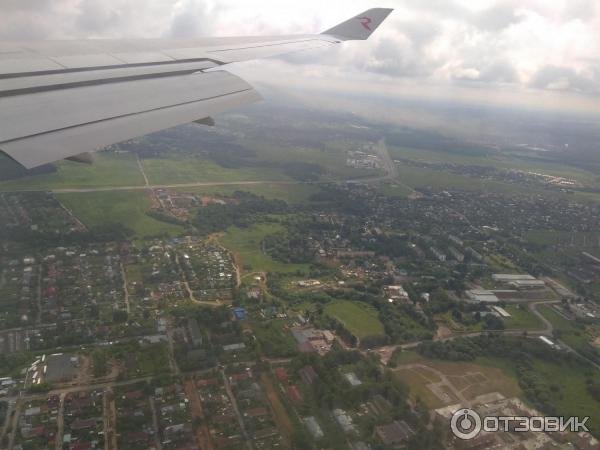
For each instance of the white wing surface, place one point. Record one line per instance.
(59, 99)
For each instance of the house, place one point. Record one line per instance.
(253, 293)
(294, 394)
(234, 347)
(313, 427)
(394, 435)
(257, 412)
(194, 331)
(80, 424)
(281, 374)
(344, 420)
(352, 379)
(239, 313)
(306, 347)
(134, 395)
(207, 382)
(136, 437)
(396, 292)
(308, 374)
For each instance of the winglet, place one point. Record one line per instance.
(361, 26)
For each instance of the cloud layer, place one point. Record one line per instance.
(548, 45)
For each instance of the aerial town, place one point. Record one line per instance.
(354, 302)
(357, 336)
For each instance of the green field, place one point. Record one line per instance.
(582, 240)
(417, 177)
(331, 157)
(395, 190)
(291, 193)
(359, 319)
(505, 160)
(195, 170)
(246, 244)
(274, 338)
(574, 398)
(572, 334)
(109, 169)
(521, 319)
(127, 208)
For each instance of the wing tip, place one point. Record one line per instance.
(360, 27)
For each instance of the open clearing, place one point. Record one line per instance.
(246, 243)
(108, 170)
(125, 208)
(570, 333)
(574, 398)
(192, 170)
(332, 158)
(513, 160)
(358, 318)
(290, 193)
(440, 383)
(521, 319)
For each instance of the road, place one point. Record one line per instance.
(389, 167)
(157, 443)
(234, 404)
(386, 352)
(141, 167)
(60, 422)
(125, 290)
(202, 433)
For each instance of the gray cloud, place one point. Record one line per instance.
(501, 71)
(100, 17)
(194, 19)
(25, 5)
(564, 78)
(445, 41)
(497, 18)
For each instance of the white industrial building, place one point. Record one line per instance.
(482, 296)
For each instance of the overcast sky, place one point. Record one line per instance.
(537, 53)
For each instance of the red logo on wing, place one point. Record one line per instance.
(365, 22)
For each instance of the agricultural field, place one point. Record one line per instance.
(289, 192)
(108, 169)
(417, 177)
(395, 189)
(358, 318)
(581, 240)
(126, 208)
(499, 160)
(246, 245)
(421, 178)
(195, 170)
(331, 158)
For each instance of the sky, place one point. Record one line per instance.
(525, 53)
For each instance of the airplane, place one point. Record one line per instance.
(66, 99)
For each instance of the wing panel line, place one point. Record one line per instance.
(128, 115)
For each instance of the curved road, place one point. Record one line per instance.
(386, 352)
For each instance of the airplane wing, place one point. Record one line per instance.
(63, 99)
